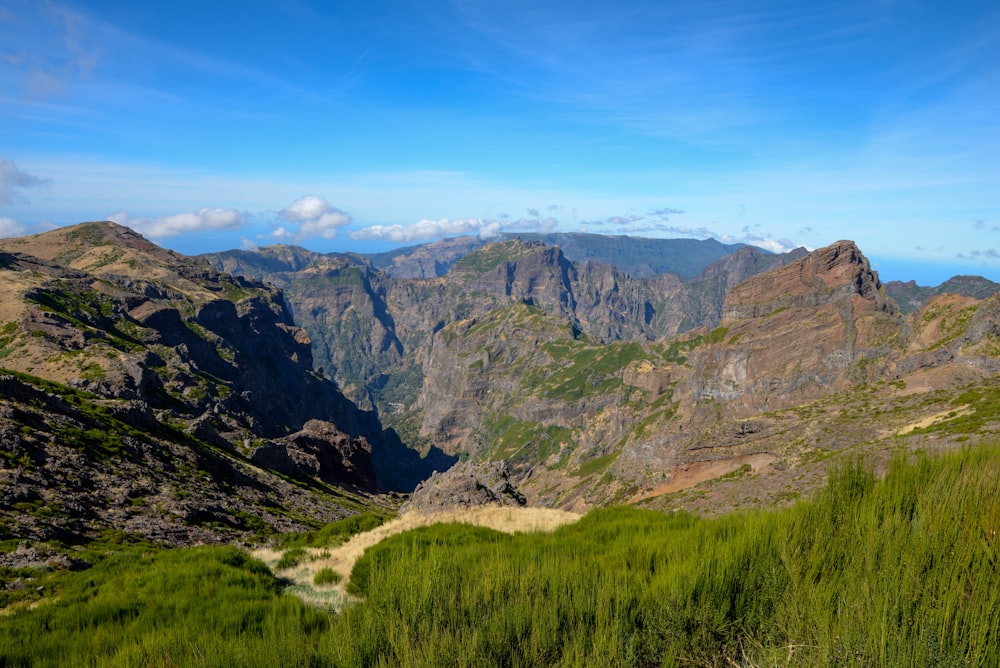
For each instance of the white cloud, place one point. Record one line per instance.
(314, 216)
(10, 228)
(12, 180)
(773, 245)
(171, 226)
(429, 230)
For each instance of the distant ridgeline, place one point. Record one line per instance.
(635, 256)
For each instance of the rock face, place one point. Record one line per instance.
(373, 331)
(320, 450)
(180, 367)
(592, 382)
(797, 333)
(822, 277)
(466, 485)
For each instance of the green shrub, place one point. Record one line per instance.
(291, 558)
(325, 576)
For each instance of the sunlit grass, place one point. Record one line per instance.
(899, 571)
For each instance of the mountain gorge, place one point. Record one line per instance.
(205, 399)
(601, 387)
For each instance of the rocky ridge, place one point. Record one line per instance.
(163, 365)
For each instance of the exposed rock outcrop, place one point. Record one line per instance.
(466, 485)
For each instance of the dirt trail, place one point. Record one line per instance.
(342, 558)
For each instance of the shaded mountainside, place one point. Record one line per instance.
(911, 296)
(157, 385)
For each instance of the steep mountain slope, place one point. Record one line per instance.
(162, 384)
(372, 332)
(793, 374)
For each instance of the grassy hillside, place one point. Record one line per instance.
(899, 571)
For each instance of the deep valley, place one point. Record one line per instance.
(757, 446)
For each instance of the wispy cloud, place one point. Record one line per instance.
(653, 220)
(49, 46)
(989, 255)
(181, 223)
(310, 217)
(14, 180)
(983, 225)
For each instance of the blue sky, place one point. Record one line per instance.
(361, 126)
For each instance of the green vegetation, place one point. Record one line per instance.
(528, 441)
(596, 464)
(900, 572)
(325, 576)
(291, 558)
(672, 354)
(903, 571)
(953, 322)
(143, 607)
(236, 293)
(583, 369)
(89, 311)
(977, 410)
(332, 534)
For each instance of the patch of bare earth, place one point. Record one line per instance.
(341, 559)
(689, 475)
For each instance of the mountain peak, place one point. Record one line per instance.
(825, 275)
(107, 249)
(100, 247)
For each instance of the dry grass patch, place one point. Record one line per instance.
(935, 419)
(341, 559)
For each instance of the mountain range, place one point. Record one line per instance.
(207, 398)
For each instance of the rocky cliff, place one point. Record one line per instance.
(584, 421)
(173, 362)
(373, 330)
(595, 385)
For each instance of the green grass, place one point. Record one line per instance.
(332, 534)
(903, 571)
(900, 572)
(195, 607)
(325, 576)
